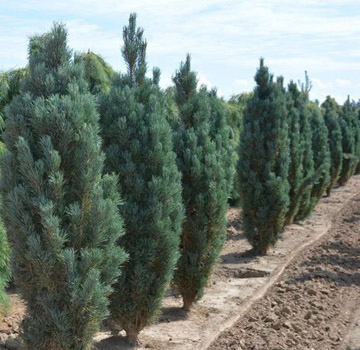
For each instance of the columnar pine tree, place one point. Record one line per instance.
(331, 117)
(60, 214)
(321, 154)
(204, 154)
(310, 176)
(296, 170)
(139, 148)
(264, 159)
(349, 131)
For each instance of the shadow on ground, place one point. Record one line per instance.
(239, 258)
(114, 343)
(172, 314)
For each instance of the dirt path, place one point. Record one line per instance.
(315, 301)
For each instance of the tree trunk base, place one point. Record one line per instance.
(187, 304)
(260, 251)
(133, 338)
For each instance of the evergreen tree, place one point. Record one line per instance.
(349, 132)
(204, 154)
(10, 82)
(60, 214)
(134, 51)
(139, 148)
(264, 159)
(321, 156)
(172, 110)
(296, 170)
(98, 73)
(236, 107)
(331, 117)
(309, 176)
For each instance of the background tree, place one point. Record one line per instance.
(98, 73)
(236, 107)
(60, 213)
(296, 168)
(321, 156)
(350, 136)
(204, 154)
(134, 51)
(331, 117)
(264, 162)
(139, 148)
(10, 82)
(309, 175)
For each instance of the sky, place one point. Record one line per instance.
(225, 38)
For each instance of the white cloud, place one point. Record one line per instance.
(342, 83)
(243, 84)
(203, 80)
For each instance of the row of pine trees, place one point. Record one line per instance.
(113, 189)
(291, 152)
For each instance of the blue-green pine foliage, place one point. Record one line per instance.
(350, 136)
(60, 213)
(321, 155)
(331, 112)
(139, 148)
(296, 166)
(303, 173)
(202, 142)
(311, 176)
(264, 159)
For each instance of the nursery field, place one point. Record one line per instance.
(303, 295)
(133, 216)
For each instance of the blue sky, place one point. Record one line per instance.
(224, 37)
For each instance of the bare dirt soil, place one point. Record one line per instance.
(315, 301)
(9, 325)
